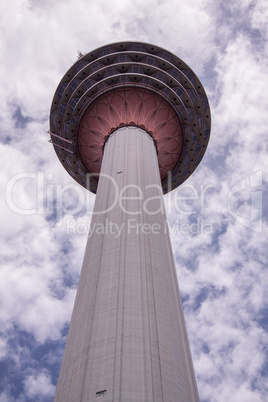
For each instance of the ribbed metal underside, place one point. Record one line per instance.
(133, 106)
(127, 339)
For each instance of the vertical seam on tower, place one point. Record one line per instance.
(117, 311)
(117, 359)
(139, 159)
(124, 279)
(148, 309)
(156, 316)
(155, 308)
(116, 326)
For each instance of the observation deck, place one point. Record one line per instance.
(130, 84)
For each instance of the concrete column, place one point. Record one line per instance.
(127, 339)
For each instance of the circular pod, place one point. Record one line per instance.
(130, 84)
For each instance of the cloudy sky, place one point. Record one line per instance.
(219, 230)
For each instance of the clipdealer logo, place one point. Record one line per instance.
(134, 227)
(244, 202)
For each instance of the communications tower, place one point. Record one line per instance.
(129, 122)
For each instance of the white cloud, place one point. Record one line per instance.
(39, 385)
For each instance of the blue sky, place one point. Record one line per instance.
(219, 237)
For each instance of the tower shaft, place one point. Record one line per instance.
(127, 339)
